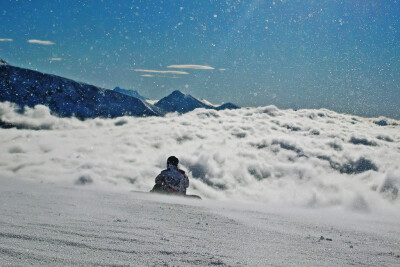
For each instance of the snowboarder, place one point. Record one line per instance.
(172, 180)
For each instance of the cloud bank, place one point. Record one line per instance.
(196, 67)
(6, 40)
(308, 158)
(40, 42)
(55, 59)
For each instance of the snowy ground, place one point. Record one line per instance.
(272, 181)
(49, 224)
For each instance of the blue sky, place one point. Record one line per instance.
(339, 54)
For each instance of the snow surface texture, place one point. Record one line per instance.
(44, 224)
(305, 158)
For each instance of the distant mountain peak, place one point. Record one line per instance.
(3, 62)
(177, 93)
(182, 103)
(178, 101)
(130, 92)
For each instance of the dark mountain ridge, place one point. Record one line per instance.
(133, 93)
(179, 102)
(67, 98)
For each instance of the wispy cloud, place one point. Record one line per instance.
(222, 69)
(196, 67)
(162, 71)
(6, 40)
(55, 59)
(147, 75)
(33, 41)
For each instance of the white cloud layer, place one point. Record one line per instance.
(162, 71)
(197, 67)
(40, 42)
(55, 59)
(6, 40)
(311, 158)
(147, 75)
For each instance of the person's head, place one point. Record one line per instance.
(173, 160)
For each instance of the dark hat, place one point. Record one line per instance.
(173, 160)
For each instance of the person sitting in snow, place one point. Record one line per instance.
(172, 180)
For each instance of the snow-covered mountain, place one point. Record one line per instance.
(182, 103)
(133, 93)
(66, 97)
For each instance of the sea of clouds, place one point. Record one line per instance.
(307, 158)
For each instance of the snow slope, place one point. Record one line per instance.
(54, 225)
